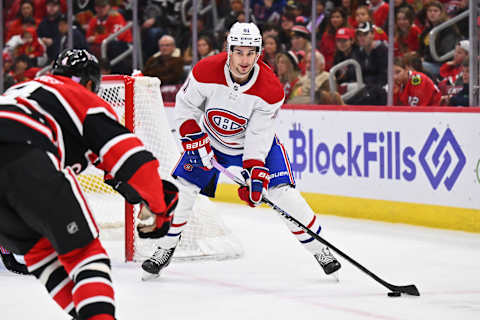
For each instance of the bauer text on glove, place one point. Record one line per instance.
(196, 145)
(257, 179)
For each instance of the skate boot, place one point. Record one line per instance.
(13, 265)
(328, 262)
(159, 260)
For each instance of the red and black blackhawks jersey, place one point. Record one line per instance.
(62, 117)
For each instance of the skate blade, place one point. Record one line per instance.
(335, 276)
(147, 276)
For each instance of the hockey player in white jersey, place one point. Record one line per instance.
(226, 109)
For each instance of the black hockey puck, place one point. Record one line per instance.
(394, 294)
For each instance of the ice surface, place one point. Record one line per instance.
(278, 279)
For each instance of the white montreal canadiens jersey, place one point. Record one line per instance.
(238, 118)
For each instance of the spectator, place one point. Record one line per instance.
(453, 9)
(27, 44)
(275, 31)
(166, 64)
(271, 48)
(300, 43)
(321, 21)
(379, 9)
(38, 5)
(267, 11)
(407, 34)
(350, 6)
(22, 70)
(373, 59)
(444, 42)
(413, 88)
(346, 49)
(413, 61)
(153, 27)
(452, 68)
(205, 48)
(327, 46)
(106, 22)
(236, 7)
(79, 41)
(362, 15)
(287, 21)
(48, 29)
(8, 80)
(400, 4)
(462, 98)
(302, 93)
(26, 13)
(288, 72)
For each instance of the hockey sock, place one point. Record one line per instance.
(42, 261)
(92, 294)
(290, 200)
(188, 194)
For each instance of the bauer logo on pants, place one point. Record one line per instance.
(444, 155)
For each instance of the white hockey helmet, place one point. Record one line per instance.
(245, 35)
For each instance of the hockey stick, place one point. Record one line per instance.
(409, 289)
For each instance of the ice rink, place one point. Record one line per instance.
(278, 279)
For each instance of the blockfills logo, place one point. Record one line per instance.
(442, 159)
(379, 154)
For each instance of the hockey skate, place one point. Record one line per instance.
(328, 262)
(13, 265)
(158, 261)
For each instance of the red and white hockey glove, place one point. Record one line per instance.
(156, 224)
(257, 179)
(196, 145)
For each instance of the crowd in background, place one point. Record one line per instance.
(36, 31)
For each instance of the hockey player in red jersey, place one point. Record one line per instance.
(412, 88)
(52, 128)
(226, 109)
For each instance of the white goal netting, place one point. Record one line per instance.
(138, 103)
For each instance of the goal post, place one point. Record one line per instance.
(139, 105)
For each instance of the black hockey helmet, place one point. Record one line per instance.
(80, 65)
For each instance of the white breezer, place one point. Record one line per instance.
(138, 102)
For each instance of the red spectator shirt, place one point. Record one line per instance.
(450, 71)
(34, 47)
(419, 91)
(101, 29)
(39, 7)
(380, 14)
(327, 47)
(379, 34)
(411, 41)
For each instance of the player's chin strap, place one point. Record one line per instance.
(409, 289)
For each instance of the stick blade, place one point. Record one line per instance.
(410, 290)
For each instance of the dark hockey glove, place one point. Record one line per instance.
(257, 179)
(156, 225)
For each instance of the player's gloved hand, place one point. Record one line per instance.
(157, 224)
(257, 179)
(196, 145)
(199, 152)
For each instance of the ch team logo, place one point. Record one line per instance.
(439, 155)
(225, 123)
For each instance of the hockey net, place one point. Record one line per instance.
(138, 103)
